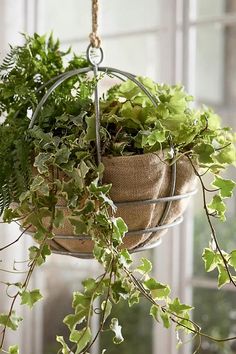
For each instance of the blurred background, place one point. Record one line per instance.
(175, 41)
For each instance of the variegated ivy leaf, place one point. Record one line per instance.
(226, 186)
(14, 349)
(62, 155)
(41, 162)
(65, 349)
(107, 307)
(30, 297)
(11, 321)
(223, 277)
(119, 229)
(116, 328)
(218, 206)
(81, 338)
(145, 267)
(178, 308)
(158, 290)
(232, 259)
(211, 259)
(155, 312)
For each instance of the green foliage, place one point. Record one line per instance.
(30, 297)
(54, 164)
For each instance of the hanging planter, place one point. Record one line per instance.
(104, 177)
(149, 190)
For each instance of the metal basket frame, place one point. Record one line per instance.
(95, 68)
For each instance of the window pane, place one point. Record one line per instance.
(213, 7)
(216, 314)
(72, 19)
(209, 68)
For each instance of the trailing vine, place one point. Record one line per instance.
(55, 162)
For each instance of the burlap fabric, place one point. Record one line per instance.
(134, 178)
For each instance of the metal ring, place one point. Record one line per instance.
(94, 55)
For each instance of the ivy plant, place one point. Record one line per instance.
(63, 141)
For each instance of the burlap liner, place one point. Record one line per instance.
(133, 178)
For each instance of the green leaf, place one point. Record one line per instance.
(14, 349)
(65, 348)
(37, 182)
(11, 322)
(158, 290)
(125, 258)
(165, 319)
(211, 259)
(145, 267)
(59, 218)
(73, 319)
(155, 312)
(217, 205)
(178, 308)
(226, 186)
(232, 259)
(119, 229)
(107, 306)
(204, 152)
(81, 338)
(116, 328)
(223, 277)
(30, 297)
(41, 162)
(79, 226)
(62, 155)
(91, 129)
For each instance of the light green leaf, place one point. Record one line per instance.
(178, 308)
(165, 319)
(226, 186)
(11, 322)
(81, 338)
(119, 229)
(125, 258)
(211, 259)
(73, 319)
(65, 348)
(223, 277)
(116, 328)
(158, 290)
(14, 349)
(155, 312)
(30, 297)
(107, 306)
(204, 152)
(217, 205)
(145, 267)
(232, 259)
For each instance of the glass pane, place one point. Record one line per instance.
(72, 19)
(137, 54)
(124, 16)
(215, 79)
(202, 8)
(67, 19)
(216, 314)
(210, 54)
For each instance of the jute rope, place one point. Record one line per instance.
(94, 38)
